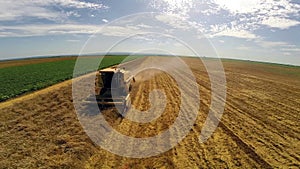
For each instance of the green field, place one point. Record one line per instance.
(17, 80)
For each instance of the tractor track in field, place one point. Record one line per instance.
(269, 128)
(248, 149)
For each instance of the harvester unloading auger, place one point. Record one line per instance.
(112, 88)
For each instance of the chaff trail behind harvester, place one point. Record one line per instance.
(112, 88)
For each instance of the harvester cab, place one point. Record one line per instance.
(112, 87)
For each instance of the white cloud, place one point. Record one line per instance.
(105, 20)
(279, 8)
(291, 49)
(61, 29)
(178, 7)
(13, 10)
(281, 23)
(178, 22)
(259, 7)
(144, 26)
(78, 4)
(155, 38)
(48, 29)
(251, 15)
(174, 21)
(243, 47)
(235, 33)
(73, 40)
(119, 30)
(233, 29)
(272, 44)
(239, 6)
(18, 9)
(73, 13)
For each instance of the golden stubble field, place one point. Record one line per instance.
(259, 128)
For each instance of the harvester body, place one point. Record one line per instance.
(112, 87)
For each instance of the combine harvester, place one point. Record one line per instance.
(112, 88)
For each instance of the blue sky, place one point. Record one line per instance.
(263, 30)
